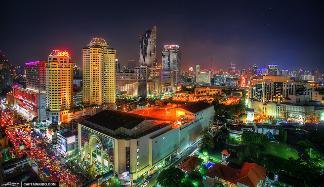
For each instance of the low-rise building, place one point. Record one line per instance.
(29, 102)
(142, 141)
(309, 112)
(251, 174)
(207, 91)
(67, 142)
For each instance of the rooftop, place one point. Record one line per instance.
(190, 163)
(113, 120)
(143, 121)
(166, 113)
(196, 107)
(60, 53)
(100, 42)
(250, 174)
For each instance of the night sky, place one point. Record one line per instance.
(210, 33)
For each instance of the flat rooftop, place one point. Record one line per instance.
(142, 121)
(109, 122)
(165, 113)
(113, 120)
(196, 107)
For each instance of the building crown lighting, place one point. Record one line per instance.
(60, 53)
(171, 46)
(98, 42)
(32, 63)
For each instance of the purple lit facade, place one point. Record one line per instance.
(35, 75)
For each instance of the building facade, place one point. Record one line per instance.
(148, 69)
(147, 55)
(35, 75)
(143, 141)
(28, 102)
(6, 77)
(170, 75)
(59, 85)
(99, 73)
(127, 84)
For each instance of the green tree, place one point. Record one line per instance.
(195, 176)
(208, 140)
(282, 135)
(187, 183)
(254, 138)
(307, 147)
(218, 184)
(113, 182)
(171, 177)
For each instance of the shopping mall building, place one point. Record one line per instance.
(140, 142)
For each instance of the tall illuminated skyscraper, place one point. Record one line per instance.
(148, 48)
(59, 82)
(99, 73)
(149, 69)
(170, 67)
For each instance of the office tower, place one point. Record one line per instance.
(149, 80)
(59, 78)
(127, 83)
(197, 70)
(203, 77)
(273, 70)
(148, 48)
(171, 57)
(284, 72)
(142, 76)
(254, 70)
(77, 73)
(6, 77)
(170, 67)
(232, 69)
(35, 75)
(118, 66)
(99, 73)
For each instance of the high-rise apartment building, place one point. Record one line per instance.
(59, 85)
(170, 75)
(35, 75)
(148, 48)
(99, 73)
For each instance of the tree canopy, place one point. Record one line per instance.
(170, 177)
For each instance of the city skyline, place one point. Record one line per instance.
(245, 34)
(161, 93)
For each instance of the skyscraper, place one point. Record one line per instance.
(148, 48)
(6, 77)
(170, 67)
(99, 73)
(35, 75)
(59, 81)
(232, 69)
(148, 70)
(273, 70)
